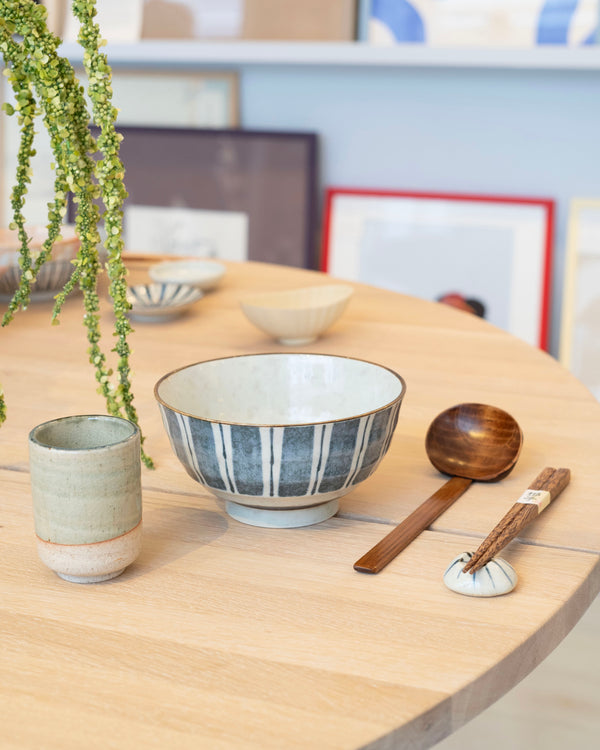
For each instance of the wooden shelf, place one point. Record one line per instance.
(191, 54)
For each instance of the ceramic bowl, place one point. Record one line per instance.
(280, 437)
(202, 274)
(297, 316)
(53, 274)
(156, 302)
(51, 278)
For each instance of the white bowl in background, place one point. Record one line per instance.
(202, 274)
(297, 316)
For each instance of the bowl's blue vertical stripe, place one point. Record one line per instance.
(300, 451)
(228, 447)
(265, 452)
(392, 421)
(325, 444)
(178, 429)
(318, 464)
(190, 448)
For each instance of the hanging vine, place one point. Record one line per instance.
(44, 84)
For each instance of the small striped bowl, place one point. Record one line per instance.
(51, 278)
(280, 437)
(156, 301)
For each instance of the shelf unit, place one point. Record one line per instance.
(190, 54)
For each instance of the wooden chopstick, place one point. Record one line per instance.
(546, 487)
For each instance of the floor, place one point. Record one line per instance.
(557, 707)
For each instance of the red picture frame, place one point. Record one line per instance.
(494, 253)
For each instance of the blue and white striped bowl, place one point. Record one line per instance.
(51, 278)
(157, 301)
(280, 437)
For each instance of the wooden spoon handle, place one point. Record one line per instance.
(400, 537)
(546, 487)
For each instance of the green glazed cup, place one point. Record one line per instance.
(87, 496)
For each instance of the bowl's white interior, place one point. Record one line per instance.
(300, 299)
(182, 271)
(280, 389)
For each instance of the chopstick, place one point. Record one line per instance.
(545, 488)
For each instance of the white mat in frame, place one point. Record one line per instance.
(496, 250)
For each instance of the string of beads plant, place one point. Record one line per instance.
(44, 85)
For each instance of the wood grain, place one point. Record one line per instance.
(230, 637)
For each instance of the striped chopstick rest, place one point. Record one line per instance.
(546, 487)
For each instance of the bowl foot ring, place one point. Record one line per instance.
(282, 519)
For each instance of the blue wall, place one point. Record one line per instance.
(518, 132)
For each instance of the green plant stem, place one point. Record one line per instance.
(44, 82)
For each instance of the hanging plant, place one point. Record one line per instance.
(44, 85)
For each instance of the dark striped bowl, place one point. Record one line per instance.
(154, 302)
(280, 437)
(51, 278)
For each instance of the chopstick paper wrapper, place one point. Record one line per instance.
(542, 491)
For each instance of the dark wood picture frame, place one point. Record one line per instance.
(269, 176)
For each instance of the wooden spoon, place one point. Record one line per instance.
(469, 442)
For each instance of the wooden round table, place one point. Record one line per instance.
(223, 635)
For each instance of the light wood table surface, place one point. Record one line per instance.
(223, 635)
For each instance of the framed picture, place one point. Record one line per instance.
(207, 99)
(580, 321)
(230, 194)
(309, 20)
(492, 253)
(120, 22)
(473, 23)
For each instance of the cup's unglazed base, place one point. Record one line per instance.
(89, 579)
(92, 563)
(284, 518)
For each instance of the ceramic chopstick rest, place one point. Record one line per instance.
(495, 578)
(545, 488)
(480, 573)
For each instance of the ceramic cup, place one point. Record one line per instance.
(87, 497)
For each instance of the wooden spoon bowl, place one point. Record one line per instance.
(475, 441)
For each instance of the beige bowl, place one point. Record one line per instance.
(297, 316)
